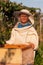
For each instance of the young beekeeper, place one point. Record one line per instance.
(24, 33)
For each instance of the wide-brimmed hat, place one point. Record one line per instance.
(25, 11)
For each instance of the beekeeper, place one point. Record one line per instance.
(24, 33)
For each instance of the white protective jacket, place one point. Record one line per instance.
(25, 35)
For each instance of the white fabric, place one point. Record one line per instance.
(25, 35)
(25, 11)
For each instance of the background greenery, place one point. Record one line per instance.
(8, 20)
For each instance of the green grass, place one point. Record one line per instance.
(39, 55)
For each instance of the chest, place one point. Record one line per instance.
(20, 36)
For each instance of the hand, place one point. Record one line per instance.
(31, 45)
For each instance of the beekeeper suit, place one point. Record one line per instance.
(25, 35)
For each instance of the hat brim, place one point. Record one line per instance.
(25, 13)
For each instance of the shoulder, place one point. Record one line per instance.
(16, 25)
(12, 31)
(33, 30)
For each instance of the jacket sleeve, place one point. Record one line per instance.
(33, 38)
(12, 38)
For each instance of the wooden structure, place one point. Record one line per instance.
(41, 27)
(12, 54)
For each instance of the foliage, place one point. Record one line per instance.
(39, 55)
